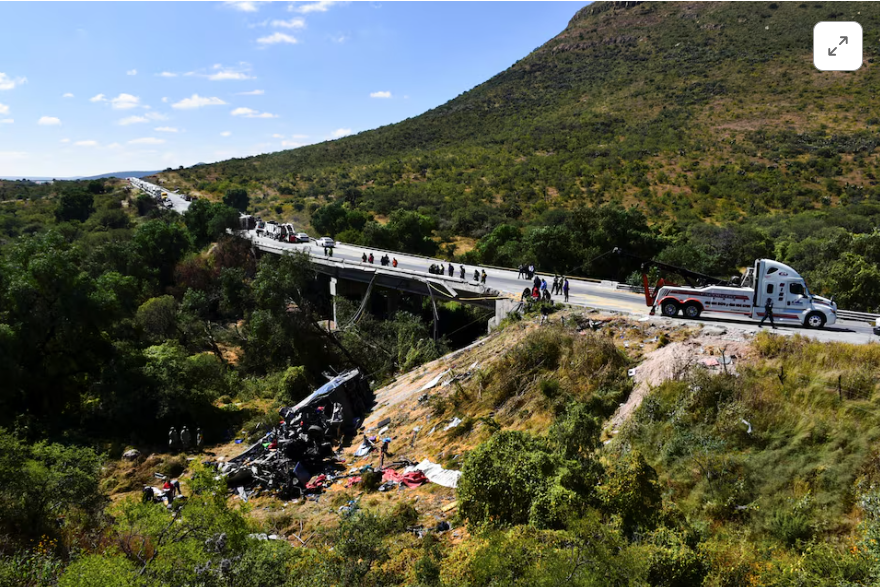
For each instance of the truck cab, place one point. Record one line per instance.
(792, 301)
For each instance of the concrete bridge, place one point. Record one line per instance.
(351, 277)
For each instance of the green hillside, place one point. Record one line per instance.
(707, 119)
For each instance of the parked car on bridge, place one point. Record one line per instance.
(302, 237)
(325, 241)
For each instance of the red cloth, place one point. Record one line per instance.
(413, 479)
(318, 483)
(352, 481)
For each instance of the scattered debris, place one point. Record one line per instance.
(300, 446)
(131, 454)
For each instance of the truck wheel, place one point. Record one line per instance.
(814, 320)
(692, 310)
(669, 309)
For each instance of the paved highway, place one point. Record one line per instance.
(583, 293)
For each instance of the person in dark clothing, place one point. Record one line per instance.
(522, 271)
(364, 258)
(555, 285)
(461, 271)
(526, 294)
(451, 270)
(483, 277)
(565, 288)
(547, 295)
(537, 281)
(768, 313)
(476, 275)
(371, 258)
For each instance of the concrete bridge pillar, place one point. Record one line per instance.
(503, 307)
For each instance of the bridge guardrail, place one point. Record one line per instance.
(858, 316)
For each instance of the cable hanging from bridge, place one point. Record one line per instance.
(363, 306)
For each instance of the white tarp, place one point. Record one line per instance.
(455, 422)
(433, 382)
(437, 474)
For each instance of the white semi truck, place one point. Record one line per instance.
(744, 297)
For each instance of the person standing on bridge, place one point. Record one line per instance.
(768, 313)
(537, 281)
(364, 258)
(543, 285)
(522, 270)
(483, 277)
(461, 271)
(555, 284)
(394, 262)
(477, 275)
(531, 270)
(565, 288)
(372, 258)
(451, 270)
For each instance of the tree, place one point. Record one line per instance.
(237, 198)
(75, 204)
(160, 245)
(42, 484)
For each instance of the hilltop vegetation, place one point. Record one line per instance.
(708, 118)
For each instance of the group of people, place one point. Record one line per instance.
(384, 260)
(434, 269)
(479, 276)
(184, 440)
(526, 271)
(541, 291)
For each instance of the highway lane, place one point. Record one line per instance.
(583, 293)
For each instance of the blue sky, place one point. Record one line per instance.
(88, 88)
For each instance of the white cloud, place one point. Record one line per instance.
(133, 120)
(251, 93)
(86, 143)
(251, 113)
(114, 146)
(98, 98)
(131, 72)
(165, 99)
(321, 6)
(67, 95)
(244, 5)
(8, 83)
(228, 75)
(293, 23)
(49, 121)
(276, 38)
(4, 109)
(165, 129)
(166, 74)
(125, 101)
(156, 116)
(341, 132)
(65, 140)
(291, 144)
(277, 136)
(380, 94)
(146, 141)
(197, 101)
(7, 120)
(340, 38)
(225, 133)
